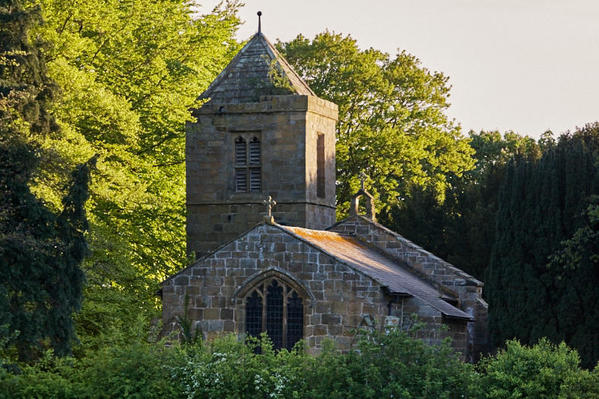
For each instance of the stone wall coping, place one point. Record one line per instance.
(413, 246)
(273, 104)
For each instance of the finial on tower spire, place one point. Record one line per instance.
(259, 22)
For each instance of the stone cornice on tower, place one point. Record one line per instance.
(257, 70)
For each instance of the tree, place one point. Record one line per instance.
(461, 229)
(576, 267)
(40, 251)
(392, 122)
(541, 204)
(129, 73)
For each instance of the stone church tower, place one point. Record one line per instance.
(262, 132)
(300, 275)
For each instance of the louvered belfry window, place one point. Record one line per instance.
(248, 165)
(277, 309)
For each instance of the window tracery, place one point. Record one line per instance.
(276, 308)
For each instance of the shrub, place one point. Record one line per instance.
(393, 364)
(50, 378)
(139, 370)
(541, 371)
(228, 368)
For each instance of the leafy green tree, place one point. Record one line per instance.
(41, 251)
(129, 73)
(392, 122)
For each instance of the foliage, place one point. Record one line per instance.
(461, 229)
(388, 364)
(392, 364)
(541, 371)
(392, 122)
(541, 204)
(576, 267)
(129, 73)
(135, 370)
(187, 333)
(41, 250)
(215, 371)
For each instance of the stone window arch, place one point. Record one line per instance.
(276, 304)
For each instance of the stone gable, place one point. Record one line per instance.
(337, 298)
(447, 277)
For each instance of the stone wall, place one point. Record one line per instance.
(337, 300)
(287, 127)
(434, 269)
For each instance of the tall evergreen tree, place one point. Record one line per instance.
(40, 250)
(541, 204)
(461, 229)
(576, 266)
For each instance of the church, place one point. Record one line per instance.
(271, 257)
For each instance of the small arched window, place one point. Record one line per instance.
(248, 165)
(276, 308)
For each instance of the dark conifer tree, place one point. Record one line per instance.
(40, 251)
(541, 204)
(461, 229)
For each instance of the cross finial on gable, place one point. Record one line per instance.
(259, 21)
(269, 202)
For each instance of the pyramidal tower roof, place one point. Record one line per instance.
(258, 69)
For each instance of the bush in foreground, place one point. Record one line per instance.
(392, 365)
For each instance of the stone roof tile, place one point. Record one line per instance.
(249, 75)
(375, 264)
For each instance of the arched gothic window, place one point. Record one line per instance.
(277, 309)
(248, 171)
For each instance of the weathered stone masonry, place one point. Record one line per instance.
(443, 275)
(337, 295)
(336, 300)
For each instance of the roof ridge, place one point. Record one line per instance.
(413, 245)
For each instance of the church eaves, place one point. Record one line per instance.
(257, 70)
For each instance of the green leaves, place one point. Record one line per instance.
(392, 122)
(543, 371)
(129, 73)
(41, 250)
